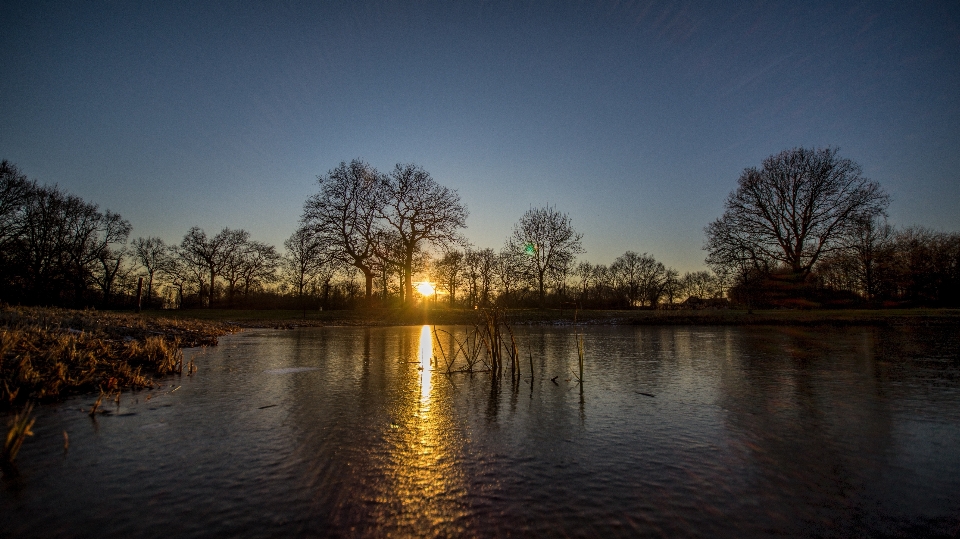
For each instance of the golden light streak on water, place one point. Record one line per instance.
(426, 372)
(423, 489)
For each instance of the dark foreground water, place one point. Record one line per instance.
(677, 432)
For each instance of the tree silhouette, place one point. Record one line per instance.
(544, 242)
(343, 215)
(796, 207)
(416, 210)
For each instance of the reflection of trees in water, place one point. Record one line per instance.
(808, 420)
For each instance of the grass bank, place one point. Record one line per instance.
(48, 353)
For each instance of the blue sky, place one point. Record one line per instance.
(635, 118)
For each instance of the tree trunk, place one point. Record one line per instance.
(542, 289)
(408, 277)
(213, 277)
(368, 277)
(149, 288)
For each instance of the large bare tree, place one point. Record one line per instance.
(343, 215)
(545, 243)
(796, 207)
(416, 211)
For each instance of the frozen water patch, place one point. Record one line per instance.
(289, 370)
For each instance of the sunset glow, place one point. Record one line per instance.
(425, 288)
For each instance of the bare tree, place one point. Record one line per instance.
(182, 270)
(211, 255)
(15, 191)
(631, 271)
(259, 267)
(641, 278)
(111, 262)
(343, 215)
(479, 274)
(699, 284)
(415, 211)
(545, 242)
(60, 239)
(583, 272)
(508, 274)
(870, 241)
(795, 208)
(304, 257)
(237, 248)
(923, 267)
(390, 261)
(449, 272)
(670, 289)
(153, 255)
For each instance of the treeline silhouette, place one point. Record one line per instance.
(366, 239)
(806, 229)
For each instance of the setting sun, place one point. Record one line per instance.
(426, 288)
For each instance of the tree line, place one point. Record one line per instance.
(804, 229)
(807, 229)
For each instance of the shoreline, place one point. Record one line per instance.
(374, 317)
(47, 354)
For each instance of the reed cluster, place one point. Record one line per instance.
(491, 342)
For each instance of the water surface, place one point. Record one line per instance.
(354, 432)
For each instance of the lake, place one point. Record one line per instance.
(356, 432)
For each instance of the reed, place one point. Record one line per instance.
(470, 348)
(487, 340)
(96, 405)
(579, 338)
(18, 429)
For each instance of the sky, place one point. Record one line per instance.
(635, 118)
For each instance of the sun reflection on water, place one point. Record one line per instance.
(426, 355)
(424, 488)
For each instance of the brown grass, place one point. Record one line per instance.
(46, 354)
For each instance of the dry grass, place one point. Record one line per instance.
(46, 354)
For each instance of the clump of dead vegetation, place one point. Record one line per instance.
(48, 353)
